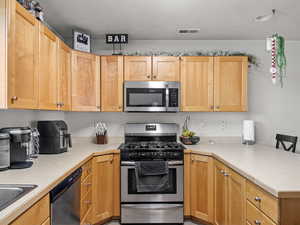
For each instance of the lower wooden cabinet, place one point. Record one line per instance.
(38, 214)
(105, 189)
(201, 187)
(230, 196)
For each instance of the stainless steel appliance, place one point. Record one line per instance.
(153, 145)
(20, 146)
(151, 96)
(65, 201)
(54, 137)
(4, 151)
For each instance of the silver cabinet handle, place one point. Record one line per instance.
(258, 199)
(87, 184)
(152, 208)
(257, 222)
(222, 171)
(87, 202)
(226, 174)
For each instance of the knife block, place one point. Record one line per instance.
(101, 139)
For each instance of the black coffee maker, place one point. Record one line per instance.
(20, 146)
(54, 137)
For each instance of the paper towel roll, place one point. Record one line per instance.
(248, 132)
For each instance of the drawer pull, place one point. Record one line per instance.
(88, 202)
(257, 222)
(222, 171)
(258, 199)
(226, 174)
(87, 184)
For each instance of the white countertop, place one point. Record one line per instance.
(274, 170)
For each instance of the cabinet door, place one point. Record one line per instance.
(236, 199)
(197, 84)
(230, 83)
(103, 185)
(64, 76)
(23, 58)
(201, 187)
(165, 68)
(220, 189)
(85, 82)
(137, 68)
(48, 73)
(112, 83)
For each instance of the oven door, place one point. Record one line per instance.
(172, 194)
(148, 96)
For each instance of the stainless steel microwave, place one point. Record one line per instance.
(151, 96)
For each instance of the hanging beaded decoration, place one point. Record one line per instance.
(273, 68)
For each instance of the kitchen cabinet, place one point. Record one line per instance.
(165, 68)
(106, 187)
(137, 68)
(22, 57)
(230, 197)
(38, 214)
(230, 83)
(201, 186)
(48, 69)
(86, 192)
(147, 68)
(112, 83)
(85, 82)
(187, 183)
(64, 77)
(197, 74)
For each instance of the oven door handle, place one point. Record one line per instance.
(170, 163)
(167, 97)
(152, 208)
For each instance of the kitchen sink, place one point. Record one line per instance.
(9, 193)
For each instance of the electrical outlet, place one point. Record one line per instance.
(223, 125)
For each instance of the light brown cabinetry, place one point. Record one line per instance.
(64, 77)
(137, 68)
(48, 69)
(201, 186)
(38, 214)
(112, 83)
(197, 89)
(85, 82)
(22, 50)
(230, 197)
(165, 68)
(230, 83)
(86, 192)
(156, 68)
(105, 187)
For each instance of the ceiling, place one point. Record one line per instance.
(160, 19)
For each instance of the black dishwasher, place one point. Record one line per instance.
(65, 201)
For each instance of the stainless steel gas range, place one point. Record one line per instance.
(151, 175)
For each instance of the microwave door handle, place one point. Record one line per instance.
(167, 98)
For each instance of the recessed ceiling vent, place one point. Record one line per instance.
(188, 31)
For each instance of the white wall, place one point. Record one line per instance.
(273, 108)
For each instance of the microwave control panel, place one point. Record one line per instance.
(173, 97)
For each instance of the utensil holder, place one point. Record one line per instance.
(101, 139)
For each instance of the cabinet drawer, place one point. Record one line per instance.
(85, 204)
(86, 186)
(87, 219)
(256, 217)
(86, 169)
(263, 201)
(37, 214)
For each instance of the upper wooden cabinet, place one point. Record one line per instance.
(230, 196)
(85, 82)
(230, 83)
(48, 69)
(156, 68)
(197, 83)
(64, 77)
(165, 68)
(137, 68)
(112, 83)
(22, 56)
(202, 204)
